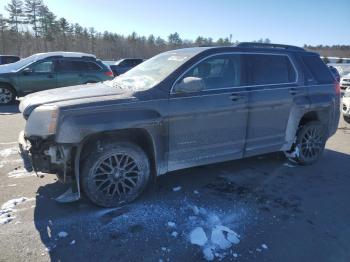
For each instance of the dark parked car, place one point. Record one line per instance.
(180, 109)
(49, 70)
(8, 59)
(123, 65)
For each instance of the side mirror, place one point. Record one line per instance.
(189, 85)
(27, 71)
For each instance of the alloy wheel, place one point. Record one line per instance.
(116, 176)
(6, 95)
(312, 143)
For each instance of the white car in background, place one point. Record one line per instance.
(345, 82)
(345, 105)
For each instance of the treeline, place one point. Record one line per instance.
(30, 27)
(331, 51)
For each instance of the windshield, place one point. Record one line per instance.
(151, 72)
(22, 63)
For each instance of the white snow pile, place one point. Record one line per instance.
(210, 235)
(8, 209)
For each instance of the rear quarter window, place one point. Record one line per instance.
(318, 69)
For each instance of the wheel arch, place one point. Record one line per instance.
(7, 84)
(139, 136)
(298, 118)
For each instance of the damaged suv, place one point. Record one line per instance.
(180, 109)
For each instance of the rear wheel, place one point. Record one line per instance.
(7, 95)
(115, 174)
(310, 143)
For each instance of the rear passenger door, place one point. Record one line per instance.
(273, 85)
(68, 73)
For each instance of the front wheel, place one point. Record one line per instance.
(7, 95)
(346, 119)
(115, 174)
(310, 143)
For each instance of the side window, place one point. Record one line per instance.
(90, 66)
(269, 69)
(43, 67)
(75, 66)
(124, 63)
(221, 71)
(10, 59)
(62, 66)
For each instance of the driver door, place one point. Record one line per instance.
(37, 77)
(209, 125)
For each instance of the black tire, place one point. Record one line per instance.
(346, 119)
(115, 174)
(310, 143)
(7, 95)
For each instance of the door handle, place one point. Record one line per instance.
(293, 91)
(49, 76)
(235, 97)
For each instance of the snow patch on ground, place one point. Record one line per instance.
(9, 208)
(62, 234)
(171, 224)
(8, 152)
(20, 173)
(288, 165)
(178, 188)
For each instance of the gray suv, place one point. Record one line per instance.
(181, 109)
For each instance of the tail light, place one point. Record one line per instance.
(109, 73)
(337, 88)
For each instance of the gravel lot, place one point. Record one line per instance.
(281, 212)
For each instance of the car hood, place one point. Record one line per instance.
(72, 93)
(347, 76)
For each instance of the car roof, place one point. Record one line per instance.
(9, 56)
(62, 54)
(244, 47)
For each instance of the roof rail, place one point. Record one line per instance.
(266, 45)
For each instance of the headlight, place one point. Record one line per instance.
(42, 121)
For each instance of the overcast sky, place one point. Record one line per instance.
(290, 22)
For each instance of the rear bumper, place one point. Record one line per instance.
(24, 151)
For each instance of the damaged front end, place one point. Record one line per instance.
(46, 156)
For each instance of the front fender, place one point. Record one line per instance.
(73, 128)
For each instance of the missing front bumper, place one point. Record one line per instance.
(24, 151)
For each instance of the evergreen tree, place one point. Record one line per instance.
(15, 9)
(32, 11)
